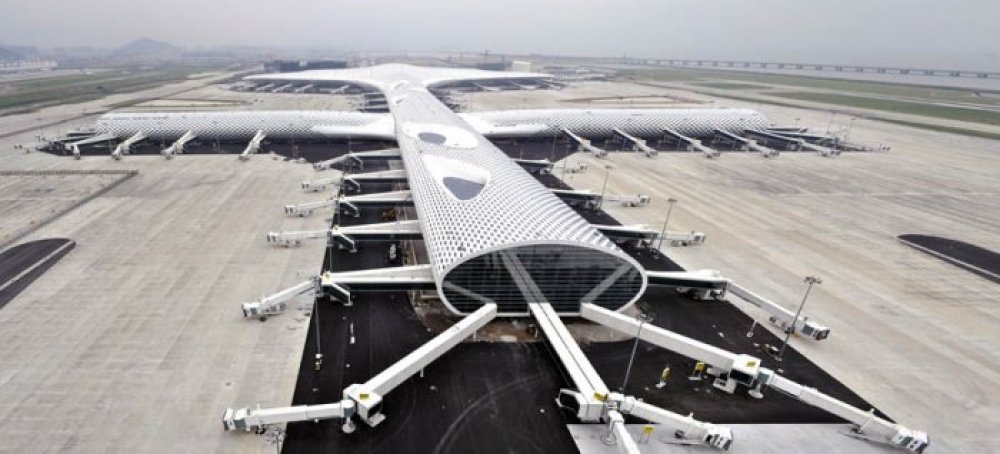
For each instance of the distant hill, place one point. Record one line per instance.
(146, 46)
(7, 54)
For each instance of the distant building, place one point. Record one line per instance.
(284, 66)
(520, 66)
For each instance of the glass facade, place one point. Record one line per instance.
(561, 275)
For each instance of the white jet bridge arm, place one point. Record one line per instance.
(686, 427)
(594, 402)
(368, 396)
(780, 316)
(126, 146)
(746, 370)
(321, 184)
(178, 146)
(382, 230)
(364, 400)
(254, 146)
(275, 303)
(637, 143)
(585, 144)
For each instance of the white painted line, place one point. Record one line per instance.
(35, 265)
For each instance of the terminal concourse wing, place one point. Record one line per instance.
(508, 124)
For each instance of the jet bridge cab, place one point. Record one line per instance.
(744, 371)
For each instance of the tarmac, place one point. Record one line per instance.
(133, 341)
(910, 333)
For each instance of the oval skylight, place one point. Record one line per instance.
(462, 180)
(441, 135)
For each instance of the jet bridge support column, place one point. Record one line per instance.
(254, 146)
(746, 370)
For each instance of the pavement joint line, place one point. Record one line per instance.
(950, 259)
(126, 175)
(37, 264)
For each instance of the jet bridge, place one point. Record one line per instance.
(321, 184)
(354, 181)
(642, 236)
(584, 144)
(347, 237)
(359, 157)
(593, 402)
(691, 143)
(75, 145)
(637, 143)
(363, 400)
(178, 146)
(254, 146)
(710, 284)
(402, 278)
(703, 284)
(535, 165)
(574, 197)
(352, 205)
(126, 146)
(780, 317)
(745, 144)
(772, 140)
(275, 303)
(737, 369)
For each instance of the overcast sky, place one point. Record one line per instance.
(935, 33)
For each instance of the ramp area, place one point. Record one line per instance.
(22, 264)
(753, 438)
(134, 341)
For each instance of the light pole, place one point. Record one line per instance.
(644, 318)
(850, 127)
(830, 124)
(788, 334)
(607, 172)
(666, 221)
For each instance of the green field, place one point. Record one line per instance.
(918, 92)
(904, 107)
(730, 86)
(915, 124)
(34, 93)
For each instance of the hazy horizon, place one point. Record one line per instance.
(891, 32)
